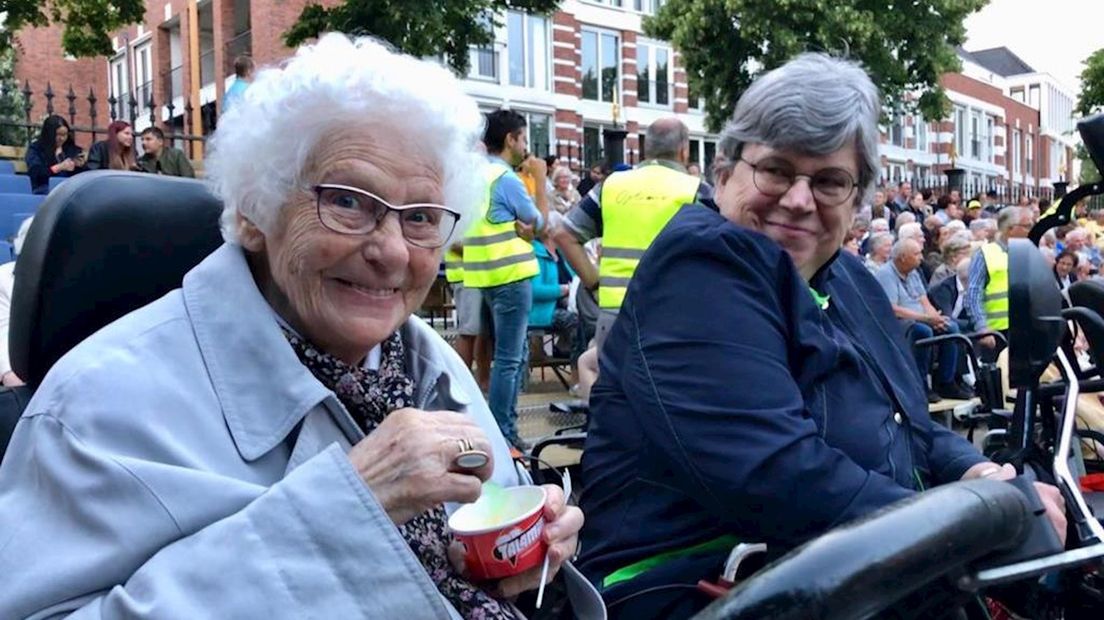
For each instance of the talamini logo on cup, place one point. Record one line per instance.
(510, 545)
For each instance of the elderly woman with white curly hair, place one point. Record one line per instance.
(278, 438)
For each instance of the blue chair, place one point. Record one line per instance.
(6, 166)
(15, 184)
(7, 252)
(55, 181)
(14, 208)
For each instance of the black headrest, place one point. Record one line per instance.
(103, 244)
(1035, 324)
(1088, 294)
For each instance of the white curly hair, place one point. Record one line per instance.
(261, 148)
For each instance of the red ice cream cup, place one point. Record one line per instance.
(502, 534)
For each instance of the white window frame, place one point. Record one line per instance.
(536, 72)
(117, 67)
(921, 126)
(651, 87)
(599, 33)
(959, 139)
(1016, 165)
(547, 138)
(976, 151)
(990, 135)
(1029, 152)
(143, 68)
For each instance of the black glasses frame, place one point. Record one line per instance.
(812, 182)
(389, 208)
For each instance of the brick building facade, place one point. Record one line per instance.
(570, 74)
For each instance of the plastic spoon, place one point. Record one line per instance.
(544, 569)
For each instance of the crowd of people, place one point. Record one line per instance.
(749, 377)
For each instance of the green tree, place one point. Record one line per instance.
(1089, 173)
(88, 24)
(11, 102)
(417, 27)
(1091, 99)
(905, 45)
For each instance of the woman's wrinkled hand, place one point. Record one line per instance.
(561, 531)
(407, 462)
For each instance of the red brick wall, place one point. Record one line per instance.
(40, 61)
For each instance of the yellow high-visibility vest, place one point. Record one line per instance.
(454, 266)
(995, 300)
(636, 205)
(493, 253)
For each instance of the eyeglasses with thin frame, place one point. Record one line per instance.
(354, 211)
(774, 176)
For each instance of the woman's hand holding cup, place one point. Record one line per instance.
(408, 462)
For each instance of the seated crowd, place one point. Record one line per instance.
(753, 341)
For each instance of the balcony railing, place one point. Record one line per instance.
(207, 68)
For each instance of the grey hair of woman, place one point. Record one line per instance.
(879, 240)
(955, 225)
(813, 105)
(904, 219)
(957, 244)
(560, 171)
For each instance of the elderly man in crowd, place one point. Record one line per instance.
(983, 230)
(901, 280)
(987, 292)
(628, 209)
(915, 232)
(948, 296)
(877, 225)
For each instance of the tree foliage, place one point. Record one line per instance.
(1091, 99)
(906, 45)
(417, 27)
(88, 24)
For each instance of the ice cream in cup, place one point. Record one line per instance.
(502, 531)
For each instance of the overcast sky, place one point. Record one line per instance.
(1053, 36)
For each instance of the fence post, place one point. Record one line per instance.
(72, 97)
(188, 111)
(92, 112)
(111, 101)
(152, 109)
(49, 99)
(27, 105)
(132, 103)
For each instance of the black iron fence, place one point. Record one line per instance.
(579, 158)
(1008, 192)
(173, 119)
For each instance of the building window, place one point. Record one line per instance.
(1016, 152)
(120, 86)
(1033, 94)
(143, 76)
(1029, 155)
(975, 135)
(990, 123)
(921, 134)
(897, 129)
(601, 54)
(959, 131)
(540, 133)
(653, 74)
(647, 6)
(592, 146)
(527, 46)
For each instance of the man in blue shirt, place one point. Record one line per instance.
(243, 69)
(510, 302)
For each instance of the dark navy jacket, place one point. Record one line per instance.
(730, 403)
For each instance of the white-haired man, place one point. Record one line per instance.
(901, 280)
(987, 291)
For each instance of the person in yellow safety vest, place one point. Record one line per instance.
(628, 210)
(500, 264)
(986, 300)
(473, 325)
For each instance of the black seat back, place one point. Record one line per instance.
(103, 244)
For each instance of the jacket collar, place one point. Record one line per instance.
(262, 387)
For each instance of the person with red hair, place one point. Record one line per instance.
(116, 152)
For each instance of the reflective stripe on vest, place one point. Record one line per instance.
(493, 253)
(454, 266)
(995, 299)
(636, 205)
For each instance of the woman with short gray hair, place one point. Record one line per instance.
(756, 386)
